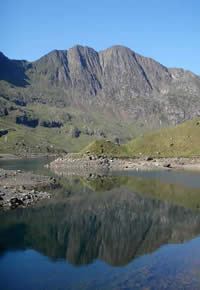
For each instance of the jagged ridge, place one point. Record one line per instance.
(115, 85)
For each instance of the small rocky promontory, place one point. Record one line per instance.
(22, 189)
(81, 164)
(77, 164)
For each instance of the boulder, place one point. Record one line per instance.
(75, 132)
(51, 124)
(3, 132)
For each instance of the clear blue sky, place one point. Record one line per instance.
(166, 30)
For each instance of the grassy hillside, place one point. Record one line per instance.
(182, 140)
(93, 133)
(90, 126)
(22, 139)
(105, 147)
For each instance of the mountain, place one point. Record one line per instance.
(115, 93)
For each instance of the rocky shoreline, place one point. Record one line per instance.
(89, 163)
(22, 189)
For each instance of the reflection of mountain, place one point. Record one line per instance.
(175, 193)
(115, 226)
(183, 192)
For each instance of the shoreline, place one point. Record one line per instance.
(102, 163)
(23, 189)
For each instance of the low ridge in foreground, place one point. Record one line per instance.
(178, 141)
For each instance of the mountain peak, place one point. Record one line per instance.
(82, 49)
(118, 49)
(2, 56)
(77, 46)
(138, 88)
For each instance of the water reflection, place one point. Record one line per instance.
(178, 194)
(34, 164)
(115, 219)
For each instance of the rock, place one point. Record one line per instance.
(167, 165)
(27, 119)
(15, 202)
(51, 124)
(116, 140)
(149, 158)
(20, 103)
(75, 132)
(13, 192)
(53, 180)
(25, 197)
(3, 132)
(5, 111)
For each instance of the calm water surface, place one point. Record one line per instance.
(135, 230)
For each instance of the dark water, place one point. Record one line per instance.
(136, 230)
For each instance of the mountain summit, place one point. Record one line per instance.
(110, 86)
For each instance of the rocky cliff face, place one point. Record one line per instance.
(133, 87)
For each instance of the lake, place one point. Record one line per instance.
(128, 230)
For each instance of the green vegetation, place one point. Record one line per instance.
(22, 139)
(105, 147)
(179, 141)
(59, 128)
(48, 128)
(152, 188)
(182, 140)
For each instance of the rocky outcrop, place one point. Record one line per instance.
(75, 132)
(88, 163)
(27, 120)
(3, 132)
(11, 198)
(51, 124)
(19, 189)
(77, 164)
(80, 166)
